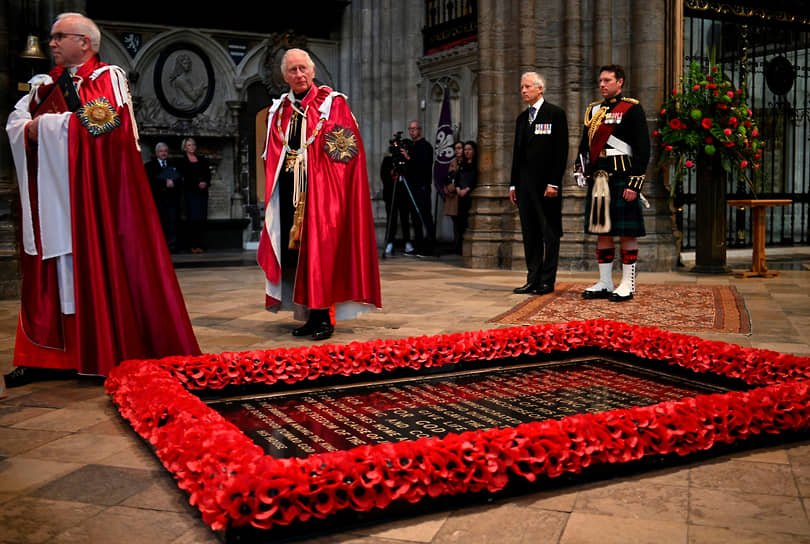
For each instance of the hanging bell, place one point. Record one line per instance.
(32, 49)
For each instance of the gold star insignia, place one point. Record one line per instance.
(341, 144)
(98, 116)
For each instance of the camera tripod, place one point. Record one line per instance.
(399, 178)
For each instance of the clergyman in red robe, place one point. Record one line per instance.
(98, 285)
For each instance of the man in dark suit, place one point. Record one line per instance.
(164, 180)
(538, 164)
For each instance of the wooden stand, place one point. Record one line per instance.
(758, 266)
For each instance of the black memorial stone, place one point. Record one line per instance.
(299, 424)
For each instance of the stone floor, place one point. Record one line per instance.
(72, 471)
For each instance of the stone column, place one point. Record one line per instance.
(657, 250)
(493, 236)
(379, 73)
(240, 167)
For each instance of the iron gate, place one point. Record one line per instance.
(772, 59)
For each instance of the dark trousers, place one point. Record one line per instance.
(423, 233)
(196, 216)
(540, 244)
(397, 206)
(460, 222)
(168, 221)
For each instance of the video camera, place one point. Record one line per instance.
(397, 145)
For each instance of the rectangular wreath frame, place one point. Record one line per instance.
(235, 484)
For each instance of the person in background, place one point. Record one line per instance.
(450, 196)
(467, 179)
(98, 285)
(538, 164)
(419, 174)
(166, 185)
(196, 172)
(318, 220)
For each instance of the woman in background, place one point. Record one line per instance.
(196, 174)
(466, 180)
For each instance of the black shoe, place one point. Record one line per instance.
(526, 289)
(322, 331)
(544, 289)
(615, 297)
(304, 330)
(21, 375)
(592, 295)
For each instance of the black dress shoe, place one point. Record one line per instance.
(322, 331)
(592, 295)
(544, 289)
(526, 289)
(304, 330)
(21, 375)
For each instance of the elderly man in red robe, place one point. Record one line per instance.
(318, 219)
(98, 285)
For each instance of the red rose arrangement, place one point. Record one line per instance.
(708, 117)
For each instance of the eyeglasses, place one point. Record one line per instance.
(59, 36)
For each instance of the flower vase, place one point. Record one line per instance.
(710, 217)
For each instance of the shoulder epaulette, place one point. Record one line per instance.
(631, 100)
(589, 111)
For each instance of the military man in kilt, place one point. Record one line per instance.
(613, 156)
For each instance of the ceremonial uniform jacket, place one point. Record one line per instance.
(629, 128)
(624, 157)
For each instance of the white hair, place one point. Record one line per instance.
(161, 144)
(538, 80)
(86, 25)
(309, 62)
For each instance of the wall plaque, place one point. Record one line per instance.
(184, 80)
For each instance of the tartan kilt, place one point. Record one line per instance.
(626, 218)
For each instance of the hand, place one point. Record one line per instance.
(33, 130)
(463, 192)
(513, 197)
(629, 195)
(169, 184)
(551, 192)
(202, 185)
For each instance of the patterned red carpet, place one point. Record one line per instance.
(686, 308)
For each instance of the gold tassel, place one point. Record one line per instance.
(299, 200)
(298, 223)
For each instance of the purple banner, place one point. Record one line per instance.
(443, 147)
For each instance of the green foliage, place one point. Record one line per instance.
(708, 116)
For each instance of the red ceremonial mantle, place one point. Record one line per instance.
(235, 484)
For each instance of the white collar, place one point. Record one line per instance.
(537, 105)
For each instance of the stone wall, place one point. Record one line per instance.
(567, 44)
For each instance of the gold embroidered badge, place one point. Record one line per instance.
(98, 117)
(341, 144)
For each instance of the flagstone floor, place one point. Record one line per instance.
(71, 471)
